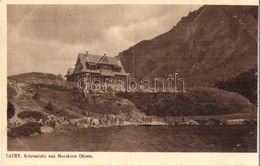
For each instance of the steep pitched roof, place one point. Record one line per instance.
(96, 59)
(82, 59)
(70, 72)
(108, 60)
(93, 58)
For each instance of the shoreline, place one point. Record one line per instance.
(190, 122)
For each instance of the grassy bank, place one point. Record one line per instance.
(194, 102)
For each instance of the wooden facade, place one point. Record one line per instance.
(96, 68)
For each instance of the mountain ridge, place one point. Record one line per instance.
(210, 44)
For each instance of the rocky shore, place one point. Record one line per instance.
(31, 127)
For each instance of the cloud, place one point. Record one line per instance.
(46, 56)
(47, 38)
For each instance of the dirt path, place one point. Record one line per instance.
(17, 87)
(19, 92)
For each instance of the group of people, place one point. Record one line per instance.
(104, 120)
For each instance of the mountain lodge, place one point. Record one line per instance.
(100, 67)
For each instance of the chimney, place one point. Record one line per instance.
(86, 52)
(104, 54)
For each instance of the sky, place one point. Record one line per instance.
(48, 38)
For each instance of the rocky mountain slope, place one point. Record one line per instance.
(211, 44)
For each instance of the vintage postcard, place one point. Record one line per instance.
(129, 82)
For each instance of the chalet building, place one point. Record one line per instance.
(96, 66)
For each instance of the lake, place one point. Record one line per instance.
(144, 139)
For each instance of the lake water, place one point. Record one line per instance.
(142, 139)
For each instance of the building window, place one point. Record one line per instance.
(118, 69)
(92, 67)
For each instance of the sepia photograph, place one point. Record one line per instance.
(131, 78)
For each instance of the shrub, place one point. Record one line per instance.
(36, 96)
(10, 110)
(244, 84)
(34, 114)
(25, 129)
(49, 106)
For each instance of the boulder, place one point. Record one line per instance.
(193, 122)
(34, 134)
(117, 121)
(46, 129)
(235, 122)
(66, 122)
(86, 120)
(49, 106)
(95, 122)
